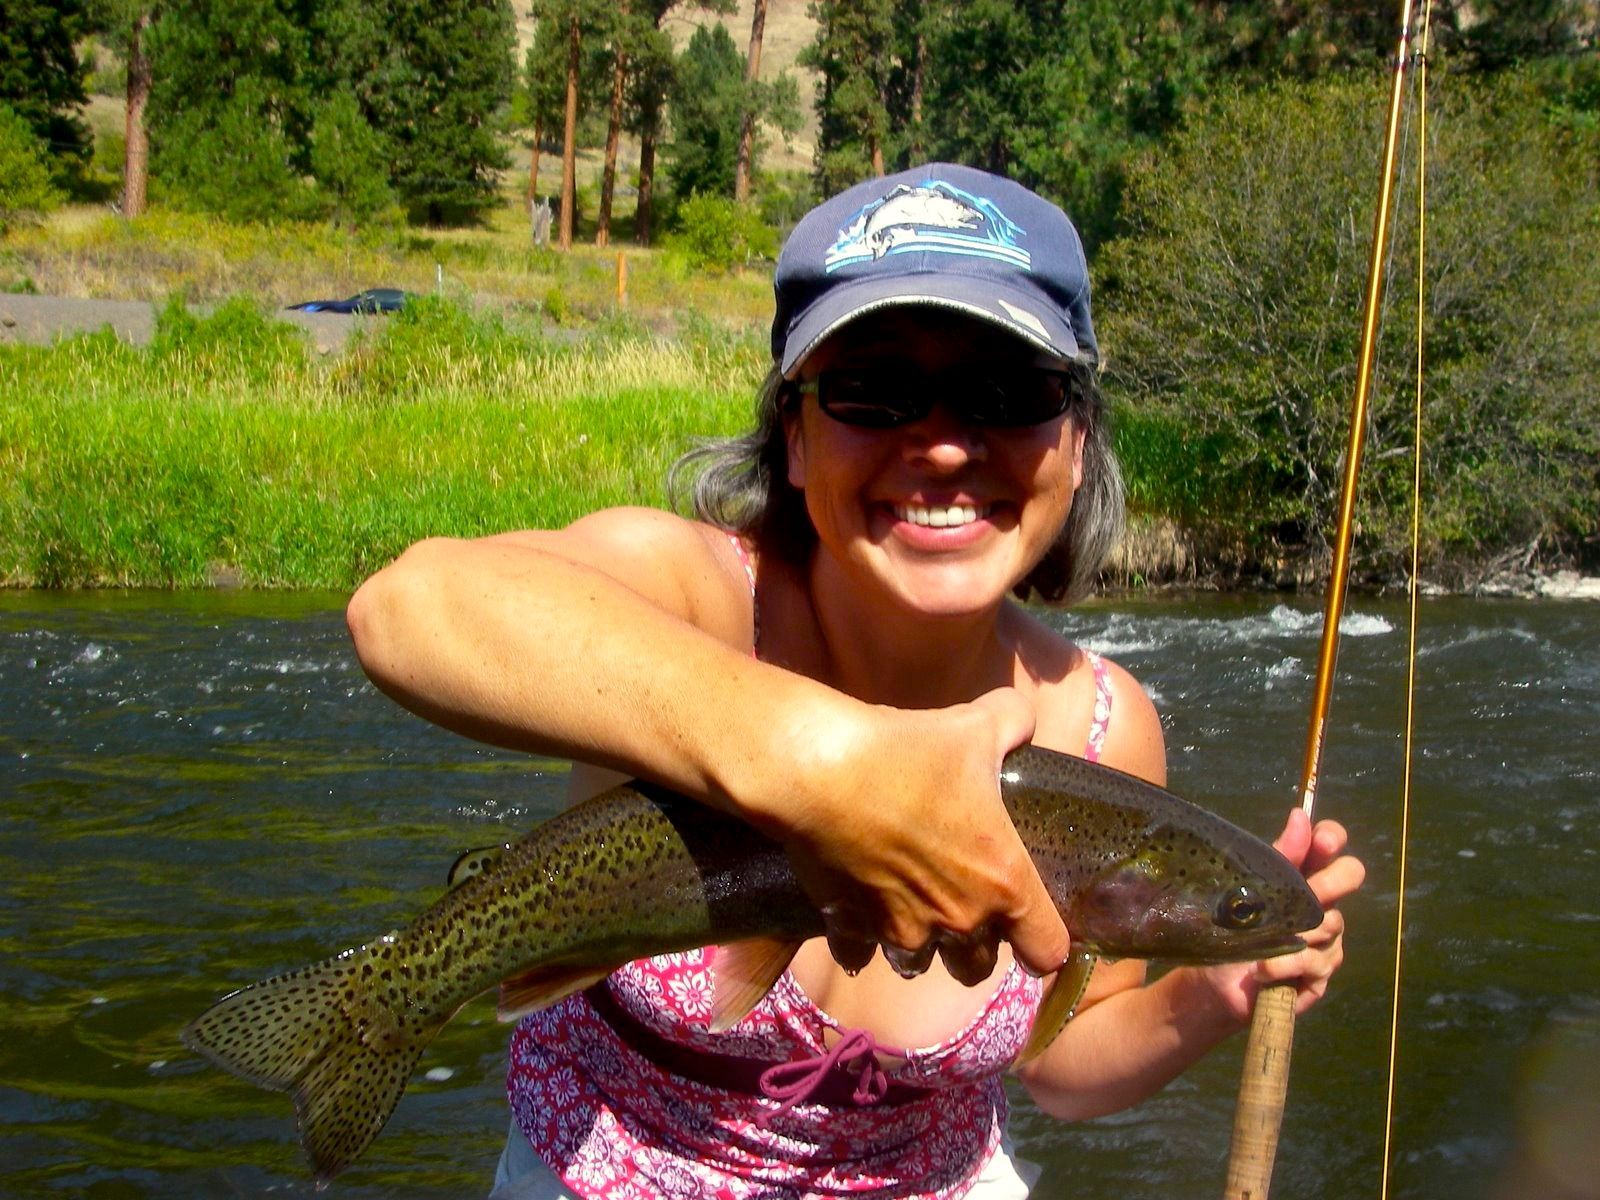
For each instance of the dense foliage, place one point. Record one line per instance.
(709, 98)
(1063, 95)
(1230, 312)
(402, 95)
(25, 188)
(41, 75)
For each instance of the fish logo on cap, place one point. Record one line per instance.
(934, 217)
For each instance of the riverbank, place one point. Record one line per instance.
(236, 449)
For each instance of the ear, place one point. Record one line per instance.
(795, 439)
(1079, 435)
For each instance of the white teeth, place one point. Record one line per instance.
(940, 516)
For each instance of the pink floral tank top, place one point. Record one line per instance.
(614, 1124)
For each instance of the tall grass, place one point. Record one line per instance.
(227, 450)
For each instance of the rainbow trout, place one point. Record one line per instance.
(1135, 871)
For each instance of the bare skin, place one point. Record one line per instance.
(894, 673)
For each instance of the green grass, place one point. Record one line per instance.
(226, 449)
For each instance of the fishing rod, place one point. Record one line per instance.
(1264, 1083)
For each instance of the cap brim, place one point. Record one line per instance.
(1018, 310)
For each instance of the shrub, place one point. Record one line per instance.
(25, 189)
(720, 234)
(1232, 310)
(235, 162)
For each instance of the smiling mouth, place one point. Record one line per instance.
(941, 516)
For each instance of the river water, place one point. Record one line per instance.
(201, 789)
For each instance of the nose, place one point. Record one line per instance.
(943, 441)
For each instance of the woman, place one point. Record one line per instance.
(833, 651)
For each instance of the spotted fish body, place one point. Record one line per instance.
(636, 871)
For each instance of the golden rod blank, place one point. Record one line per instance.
(1263, 1087)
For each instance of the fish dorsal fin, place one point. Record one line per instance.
(473, 863)
(1059, 1004)
(541, 987)
(742, 973)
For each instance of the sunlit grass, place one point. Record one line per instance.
(89, 252)
(226, 450)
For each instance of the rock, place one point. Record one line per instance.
(1568, 585)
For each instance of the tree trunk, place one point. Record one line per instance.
(747, 127)
(647, 180)
(136, 160)
(533, 161)
(608, 178)
(569, 145)
(919, 74)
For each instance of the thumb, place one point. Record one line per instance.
(1012, 716)
(1038, 936)
(1295, 840)
(1034, 927)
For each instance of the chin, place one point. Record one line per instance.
(953, 599)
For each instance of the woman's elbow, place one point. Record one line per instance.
(384, 605)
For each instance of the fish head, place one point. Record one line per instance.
(1195, 889)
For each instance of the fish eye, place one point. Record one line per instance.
(1241, 908)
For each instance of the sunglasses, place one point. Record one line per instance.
(884, 397)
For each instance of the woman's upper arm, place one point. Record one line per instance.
(684, 567)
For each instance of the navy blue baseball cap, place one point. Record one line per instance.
(941, 235)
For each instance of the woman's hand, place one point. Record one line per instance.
(1333, 875)
(902, 838)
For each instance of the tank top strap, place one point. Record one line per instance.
(743, 552)
(1101, 721)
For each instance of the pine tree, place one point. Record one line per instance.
(854, 54)
(435, 81)
(41, 77)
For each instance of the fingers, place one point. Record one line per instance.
(1311, 969)
(850, 951)
(969, 957)
(1328, 840)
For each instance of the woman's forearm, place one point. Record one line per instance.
(1128, 1047)
(531, 650)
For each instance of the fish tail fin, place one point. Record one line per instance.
(322, 1033)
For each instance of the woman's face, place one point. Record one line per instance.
(944, 514)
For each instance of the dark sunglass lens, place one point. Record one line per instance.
(1024, 396)
(872, 399)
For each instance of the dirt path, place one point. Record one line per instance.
(39, 320)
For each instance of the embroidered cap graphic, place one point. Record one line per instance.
(896, 219)
(935, 217)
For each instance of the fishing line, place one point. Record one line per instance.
(1416, 593)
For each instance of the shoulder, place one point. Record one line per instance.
(1133, 739)
(691, 569)
(1076, 693)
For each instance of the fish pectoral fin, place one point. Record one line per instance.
(473, 863)
(1059, 1005)
(541, 987)
(742, 973)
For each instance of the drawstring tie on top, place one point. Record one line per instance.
(797, 1082)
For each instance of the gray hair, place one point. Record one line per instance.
(741, 484)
